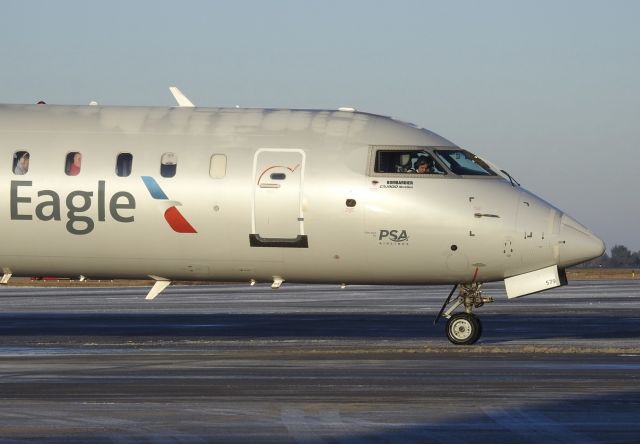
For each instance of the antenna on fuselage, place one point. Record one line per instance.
(183, 101)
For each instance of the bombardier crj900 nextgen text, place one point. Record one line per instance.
(275, 195)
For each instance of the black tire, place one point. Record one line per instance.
(463, 329)
(479, 326)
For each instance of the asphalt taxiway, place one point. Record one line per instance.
(317, 364)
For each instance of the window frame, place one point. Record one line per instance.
(374, 149)
(448, 174)
(211, 165)
(130, 165)
(68, 161)
(488, 171)
(162, 164)
(15, 159)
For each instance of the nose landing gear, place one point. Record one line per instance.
(464, 328)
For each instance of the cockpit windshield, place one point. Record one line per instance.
(463, 163)
(407, 161)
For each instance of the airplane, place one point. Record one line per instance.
(271, 195)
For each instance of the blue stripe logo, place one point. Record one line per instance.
(154, 189)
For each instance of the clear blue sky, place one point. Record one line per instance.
(549, 90)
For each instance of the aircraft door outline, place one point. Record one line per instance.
(277, 218)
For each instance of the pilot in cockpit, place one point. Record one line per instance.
(421, 166)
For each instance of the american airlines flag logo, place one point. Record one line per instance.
(172, 215)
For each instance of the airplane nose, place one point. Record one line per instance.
(577, 243)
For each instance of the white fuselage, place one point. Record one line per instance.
(259, 194)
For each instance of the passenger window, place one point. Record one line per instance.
(20, 162)
(73, 163)
(168, 165)
(124, 163)
(218, 166)
(401, 161)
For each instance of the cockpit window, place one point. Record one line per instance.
(464, 163)
(406, 162)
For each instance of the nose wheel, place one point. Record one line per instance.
(463, 328)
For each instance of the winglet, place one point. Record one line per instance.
(182, 100)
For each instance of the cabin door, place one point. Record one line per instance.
(277, 216)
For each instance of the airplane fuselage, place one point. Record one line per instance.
(258, 194)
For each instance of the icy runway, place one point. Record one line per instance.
(307, 363)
